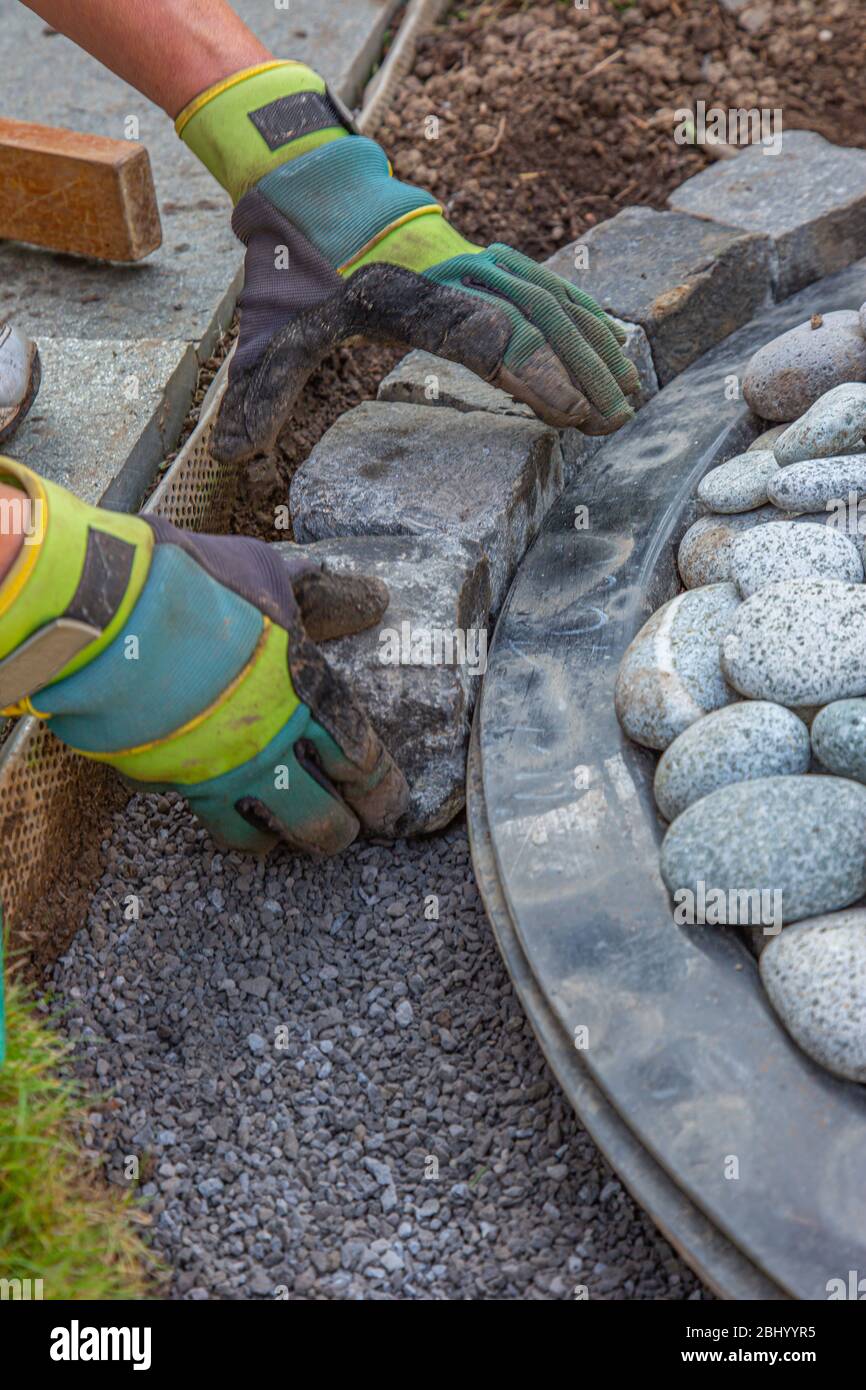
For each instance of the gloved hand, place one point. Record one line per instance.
(189, 663)
(337, 247)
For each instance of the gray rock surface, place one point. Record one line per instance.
(387, 469)
(839, 738)
(767, 439)
(835, 424)
(519, 1204)
(735, 744)
(802, 838)
(802, 642)
(421, 708)
(789, 374)
(810, 199)
(422, 379)
(670, 675)
(739, 485)
(686, 281)
(783, 550)
(815, 976)
(814, 484)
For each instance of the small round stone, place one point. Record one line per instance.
(801, 642)
(670, 676)
(839, 738)
(815, 976)
(787, 375)
(835, 424)
(739, 485)
(704, 555)
(735, 744)
(800, 841)
(818, 484)
(767, 439)
(783, 550)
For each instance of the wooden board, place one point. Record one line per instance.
(84, 194)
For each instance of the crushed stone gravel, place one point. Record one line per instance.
(328, 1083)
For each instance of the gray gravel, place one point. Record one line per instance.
(292, 1163)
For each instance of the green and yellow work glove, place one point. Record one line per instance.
(189, 663)
(337, 247)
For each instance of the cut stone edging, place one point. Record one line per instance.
(419, 703)
(399, 470)
(809, 200)
(687, 281)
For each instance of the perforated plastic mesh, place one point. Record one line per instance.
(54, 805)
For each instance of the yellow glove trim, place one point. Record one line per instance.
(209, 93)
(392, 226)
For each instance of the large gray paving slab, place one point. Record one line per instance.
(182, 294)
(386, 469)
(421, 706)
(686, 281)
(810, 199)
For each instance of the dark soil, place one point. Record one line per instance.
(553, 118)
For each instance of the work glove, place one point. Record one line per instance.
(337, 247)
(189, 663)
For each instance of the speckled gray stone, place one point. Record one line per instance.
(809, 486)
(739, 485)
(862, 317)
(839, 738)
(835, 424)
(670, 675)
(815, 976)
(801, 837)
(704, 555)
(767, 439)
(753, 738)
(802, 642)
(784, 550)
(789, 374)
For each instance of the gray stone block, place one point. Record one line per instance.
(810, 199)
(421, 708)
(686, 281)
(422, 379)
(386, 469)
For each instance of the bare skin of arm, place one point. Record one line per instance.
(10, 542)
(205, 39)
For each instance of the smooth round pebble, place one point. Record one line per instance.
(801, 642)
(839, 738)
(736, 744)
(818, 485)
(783, 550)
(739, 485)
(801, 837)
(767, 439)
(670, 674)
(788, 374)
(835, 424)
(704, 554)
(815, 977)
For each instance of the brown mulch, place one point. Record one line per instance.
(551, 119)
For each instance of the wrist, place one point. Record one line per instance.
(70, 587)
